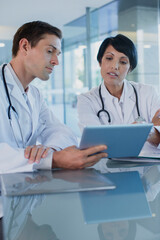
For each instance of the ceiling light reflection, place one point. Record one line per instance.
(2, 44)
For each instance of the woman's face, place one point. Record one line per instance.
(114, 67)
(115, 231)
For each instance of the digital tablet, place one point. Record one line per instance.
(121, 140)
(56, 181)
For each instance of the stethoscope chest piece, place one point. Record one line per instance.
(139, 119)
(103, 109)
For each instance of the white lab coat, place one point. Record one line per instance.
(45, 128)
(89, 104)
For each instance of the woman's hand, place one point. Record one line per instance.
(154, 136)
(156, 118)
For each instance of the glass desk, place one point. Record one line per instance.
(33, 209)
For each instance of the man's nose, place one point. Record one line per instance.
(54, 60)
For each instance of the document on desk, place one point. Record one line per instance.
(128, 201)
(148, 154)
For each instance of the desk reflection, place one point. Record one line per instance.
(123, 230)
(42, 182)
(61, 215)
(142, 228)
(18, 221)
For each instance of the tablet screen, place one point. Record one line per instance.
(121, 140)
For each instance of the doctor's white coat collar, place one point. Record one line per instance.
(128, 99)
(16, 92)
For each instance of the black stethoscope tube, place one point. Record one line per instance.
(10, 107)
(103, 109)
(7, 93)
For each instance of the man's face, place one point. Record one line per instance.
(41, 59)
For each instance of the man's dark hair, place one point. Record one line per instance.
(33, 32)
(122, 44)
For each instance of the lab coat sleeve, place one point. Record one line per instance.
(155, 101)
(86, 111)
(13, 160)
(152, 103)
(54, 134)
(155, 104)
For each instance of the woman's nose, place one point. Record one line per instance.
(115, 65)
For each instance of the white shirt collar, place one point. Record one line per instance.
(16, 79)
(106, 93)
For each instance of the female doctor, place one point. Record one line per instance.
(116, 100)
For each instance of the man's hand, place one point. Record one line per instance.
(74, 158)
(35, 153)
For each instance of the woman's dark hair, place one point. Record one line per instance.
(122, 44)
(33, 32)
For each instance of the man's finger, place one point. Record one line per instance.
(96, 157)
(27, 151)
(33, 153)
(40, 152)
(91, 160)
(46, 150)
(95, 149)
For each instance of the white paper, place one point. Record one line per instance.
(149, 153)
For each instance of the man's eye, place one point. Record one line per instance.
(49, 51)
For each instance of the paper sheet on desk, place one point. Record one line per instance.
(148, 153)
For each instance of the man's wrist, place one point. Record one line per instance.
(54, 164)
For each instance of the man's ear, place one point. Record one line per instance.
(24, 45)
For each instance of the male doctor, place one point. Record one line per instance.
(25, 118)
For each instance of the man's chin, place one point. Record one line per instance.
(44, 78)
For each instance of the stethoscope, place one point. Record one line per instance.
(138, 119)
(10, 109)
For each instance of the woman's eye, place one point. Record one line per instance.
(49, 51)
(108, 58)
(123, 62)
